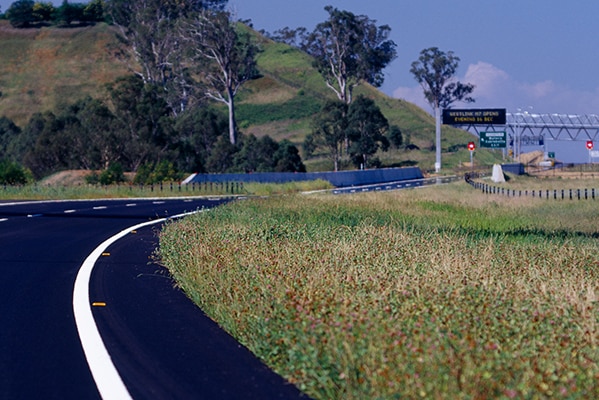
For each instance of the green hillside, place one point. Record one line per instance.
(42, 69)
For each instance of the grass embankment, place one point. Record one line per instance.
(439, 292)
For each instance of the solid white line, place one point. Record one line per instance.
(108, 381)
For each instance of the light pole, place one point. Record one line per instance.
(521, 114)
(437, 138)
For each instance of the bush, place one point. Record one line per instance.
(111, 175)
(12, 173)
(163, 171)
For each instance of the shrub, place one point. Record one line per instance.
(113, 174)
(12, 173)
(164, 171)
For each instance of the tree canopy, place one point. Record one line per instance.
(27, 13)
(435, 71)
(227, 58)
(350, 49)
(367, 129)
(358, 130)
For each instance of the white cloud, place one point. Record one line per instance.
(495, 88)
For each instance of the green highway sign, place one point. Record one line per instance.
(493, 140)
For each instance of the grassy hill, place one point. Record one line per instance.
(42, 69)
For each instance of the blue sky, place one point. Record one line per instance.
(520, 54)
(540, 56)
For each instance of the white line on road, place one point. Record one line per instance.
(107, 378)
(69, 211)
(100, 208)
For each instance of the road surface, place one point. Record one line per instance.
(159, 343)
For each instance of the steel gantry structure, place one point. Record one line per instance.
(525, 128)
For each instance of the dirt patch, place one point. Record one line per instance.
(74, 178)
(534, 157)
(66, 178)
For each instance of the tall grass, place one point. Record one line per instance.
(431, 293)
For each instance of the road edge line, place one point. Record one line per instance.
(107, 379)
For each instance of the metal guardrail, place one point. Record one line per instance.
(407, 184)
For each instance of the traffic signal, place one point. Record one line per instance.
(471, 146)
(590, 144)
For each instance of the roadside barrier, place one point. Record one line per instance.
(554, 194)
(163, 187)
(226, 187)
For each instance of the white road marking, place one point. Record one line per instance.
(107, 378)
(3, 219)
(131, 205)
(69, 211)
(100, 208)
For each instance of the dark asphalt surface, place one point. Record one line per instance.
(162, 345)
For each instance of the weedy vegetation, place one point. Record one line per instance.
(440, 292)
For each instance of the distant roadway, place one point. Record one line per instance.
(157, 344)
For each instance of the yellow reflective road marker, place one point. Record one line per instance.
(98, 304)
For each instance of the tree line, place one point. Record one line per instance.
(136, 130)
(28, 13)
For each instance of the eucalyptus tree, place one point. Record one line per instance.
(367, 128)
(144, 117)
(435, 71)
(9, 134)
(350, 49)
(21, 14)
(227, 58)
(329, 130)
(152, 45)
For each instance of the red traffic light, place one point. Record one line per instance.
(590, 144)
(471, 146)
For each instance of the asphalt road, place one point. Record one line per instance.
(161, 345)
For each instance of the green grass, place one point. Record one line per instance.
(295, 108)
(440, 292)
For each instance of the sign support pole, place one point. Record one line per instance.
(438, 138)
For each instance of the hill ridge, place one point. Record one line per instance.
(42, 69)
